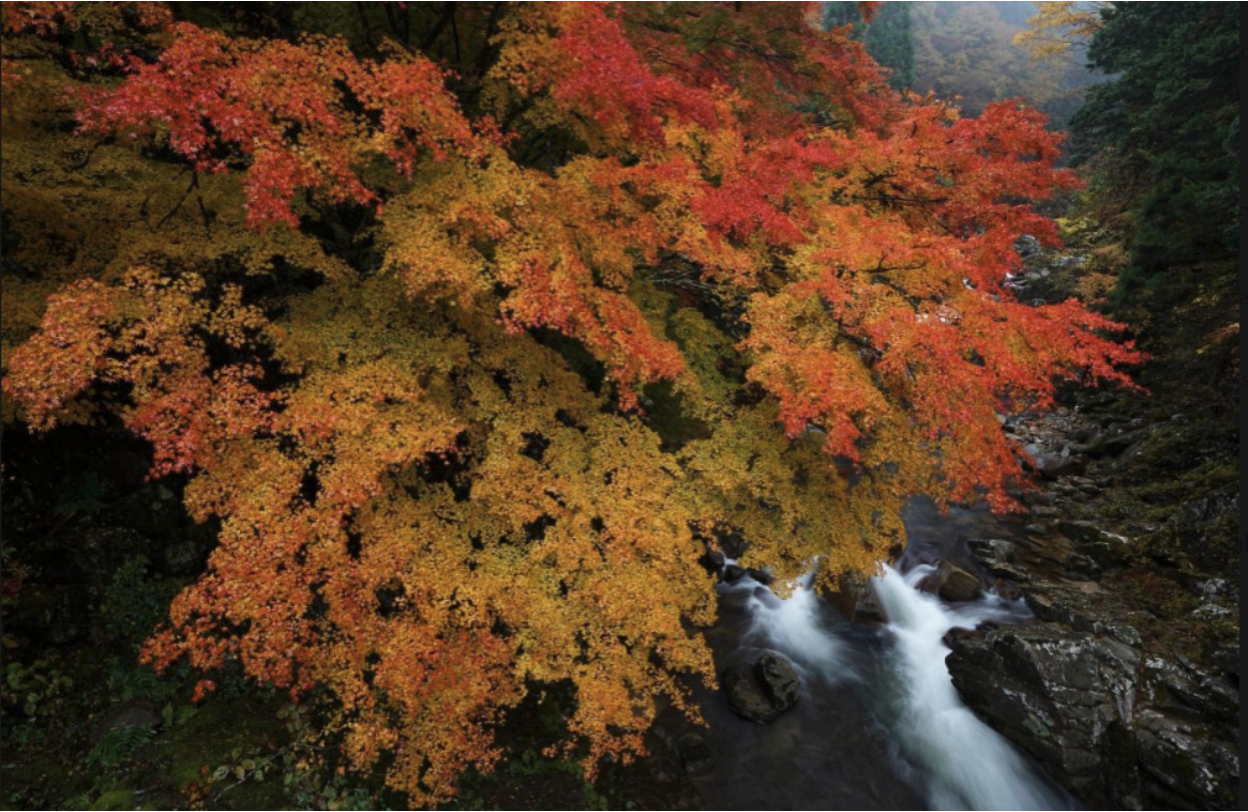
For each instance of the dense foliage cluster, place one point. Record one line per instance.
(473, 324)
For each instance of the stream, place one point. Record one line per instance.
(878, 723)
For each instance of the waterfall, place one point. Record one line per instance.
(798, 629)
(878, 724)
(969, 765)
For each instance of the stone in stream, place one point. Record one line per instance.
(695, 754)
(713, 560)
(780, 686)
(956, 584)
(780, 682)
(763, 575)
(745, 700)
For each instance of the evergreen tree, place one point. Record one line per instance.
(891, 43)
(888, 36)
(1164, 132)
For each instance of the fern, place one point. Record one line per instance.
(118, 746)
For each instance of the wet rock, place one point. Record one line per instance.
(695, 754)
(777, 689)
(956, 584)
(779, 680)
(850, 588)
(992, 551)
(1063, 605)
(1185, 767)
(1054, 693)
(1180, 688)
(747, 701)
(763, 576)
(868, 610)
(929, 583)
(958, 633)
(733, 573)
(713, 561)
(1006, 591)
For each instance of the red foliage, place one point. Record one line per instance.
(281, 107)
(856, 245)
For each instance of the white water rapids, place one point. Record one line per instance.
(952, 758)
(969, 765)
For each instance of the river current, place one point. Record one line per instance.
(878, 724)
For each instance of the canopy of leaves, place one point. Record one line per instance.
(473, 324)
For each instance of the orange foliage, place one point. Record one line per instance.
(629, 274)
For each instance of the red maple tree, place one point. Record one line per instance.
(446, 469)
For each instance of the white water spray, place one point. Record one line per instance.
(971, 766)
(795, 627)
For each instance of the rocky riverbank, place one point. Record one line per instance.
(1127, 687)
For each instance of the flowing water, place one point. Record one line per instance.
(878, 724)
(966, 764)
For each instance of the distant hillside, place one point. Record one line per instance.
(965, 52)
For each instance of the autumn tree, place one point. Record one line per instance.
(474, 324)
(1059, 27)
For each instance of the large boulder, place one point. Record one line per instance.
(1114, 718)
(955, 583)
(745, 699)
(773, 690)
(1065, 697)
(779, 680)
